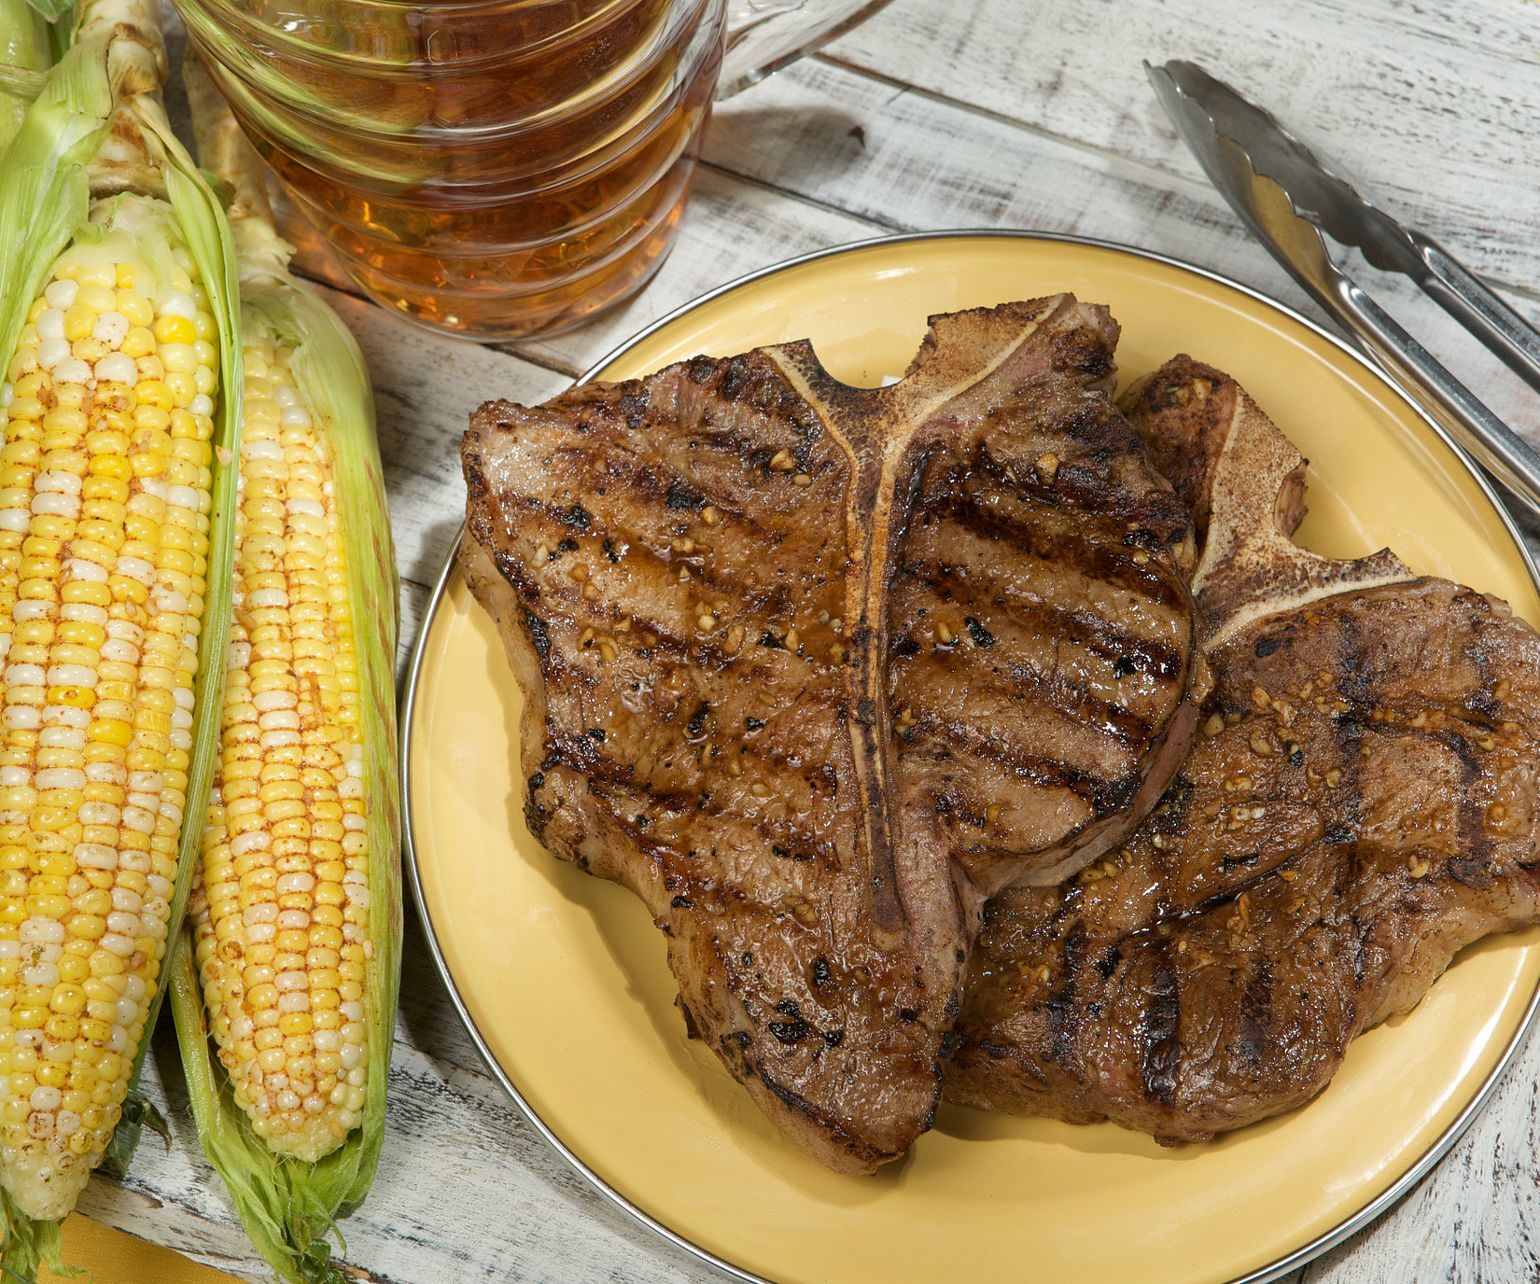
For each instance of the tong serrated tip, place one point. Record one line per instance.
(1318, 191)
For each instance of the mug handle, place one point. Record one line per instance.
(764, 35)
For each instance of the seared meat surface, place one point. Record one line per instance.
(1039, 643)
(767, 625)
(1360, 805)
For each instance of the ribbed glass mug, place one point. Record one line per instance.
(495, 168)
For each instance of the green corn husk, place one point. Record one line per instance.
(53, 10)
(66, 181)
(289, 1206)
(26, 50)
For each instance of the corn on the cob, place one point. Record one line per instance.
(296, 925)
(115, 324)
(105, 477)
(282, 929)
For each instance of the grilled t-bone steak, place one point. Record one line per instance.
(709, 581)
(1360, 804)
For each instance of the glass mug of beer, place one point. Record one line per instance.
(494, 168)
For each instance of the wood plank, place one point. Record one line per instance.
(824, 133)
(1434, 104)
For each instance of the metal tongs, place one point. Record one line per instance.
(1288, 197)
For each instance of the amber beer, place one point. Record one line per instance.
(496, 168)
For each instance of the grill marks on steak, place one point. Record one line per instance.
(1039, 636)
(694, 575)
(1302, 882)
(1360, 806)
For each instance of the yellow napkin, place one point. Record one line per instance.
(115, 1258)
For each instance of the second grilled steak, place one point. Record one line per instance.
(1359, 806)
(703, 579)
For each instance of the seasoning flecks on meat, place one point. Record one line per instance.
(1358, 807)
(767, 616)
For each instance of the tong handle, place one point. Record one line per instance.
(1474, 305)
(1494, 445)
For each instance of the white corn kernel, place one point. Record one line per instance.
(77, 568)
(96, 856)
(111, 328)
(53, 479)
(114, 943)
(71, 370)
(40, 931)
(54, 504)
(116, 368)
(178, 304)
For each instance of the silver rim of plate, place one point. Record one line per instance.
(1283, 1265)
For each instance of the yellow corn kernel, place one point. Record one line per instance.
(153, 392)
(78, 322)
(178, 358)
(96, 299)
(175, 329)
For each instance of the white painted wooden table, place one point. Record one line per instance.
(941, 114)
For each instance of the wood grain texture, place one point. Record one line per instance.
(937, 114)
(1435, 102)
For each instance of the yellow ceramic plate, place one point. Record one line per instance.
(561, 977)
